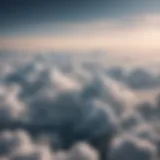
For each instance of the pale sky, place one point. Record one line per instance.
(141, 33)
(122, 27)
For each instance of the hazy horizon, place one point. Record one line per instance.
(118, 26)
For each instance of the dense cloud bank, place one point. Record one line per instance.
(81, 101)
(136, 78)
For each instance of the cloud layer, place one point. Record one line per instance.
(82, 101)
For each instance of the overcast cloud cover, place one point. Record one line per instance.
(88, 97)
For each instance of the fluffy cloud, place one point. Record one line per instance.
(130, 148)
(136, 78)
(11, 107)
(56, 108)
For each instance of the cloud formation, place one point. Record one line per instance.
(79, 109)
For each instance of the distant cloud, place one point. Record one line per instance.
(133, 148)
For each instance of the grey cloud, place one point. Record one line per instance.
(70, 106)
(136, 78)
(130, 148)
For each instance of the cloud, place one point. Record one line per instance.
(132, 148)
(136, 78)
(11, 107)
(82, 151)
(79, 110)
(141, 78)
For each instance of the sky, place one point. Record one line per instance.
(116, 25)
